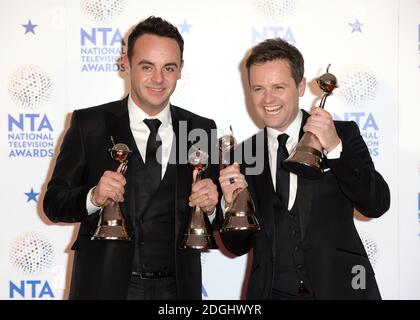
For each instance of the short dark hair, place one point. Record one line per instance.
(156, 26)
(273, 49)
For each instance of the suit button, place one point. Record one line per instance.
(297, 248)
(299, 267)
(294, 232)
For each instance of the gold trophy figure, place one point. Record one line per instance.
(240, 215)
(305, 159)
(197, 235)
(111, 225)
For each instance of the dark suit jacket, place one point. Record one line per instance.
(102, 269)
(331, 244)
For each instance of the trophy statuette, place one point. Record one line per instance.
(305, 159)
(240, 215)
(197, 235)
(112, 225)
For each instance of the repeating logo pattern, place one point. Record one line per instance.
(31, 253)
(29, 87)
(371, 248)
(102, 10)
(275, 10)
(358, 85)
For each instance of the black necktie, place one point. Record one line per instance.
(153, 160)
(282, 176)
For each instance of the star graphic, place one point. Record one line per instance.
(356, 26)
(32, 195)
(29, 27)
(185, 27)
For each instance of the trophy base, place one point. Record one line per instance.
(197, 241)
(304, 169)
(240, 224)
(305, 161)
(111, 233)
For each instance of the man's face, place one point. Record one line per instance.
(154, 69)
(274, 93)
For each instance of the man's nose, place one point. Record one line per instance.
(268, 97)
(157, 76)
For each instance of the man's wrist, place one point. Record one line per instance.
(92, 198)
(335, 153)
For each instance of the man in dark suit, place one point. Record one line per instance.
(154, 195)
(308, 246)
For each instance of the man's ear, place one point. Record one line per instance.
(180, 69)
(302, 87)
(126, 63)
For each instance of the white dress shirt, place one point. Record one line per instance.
(141, 133)
(293, 132)
(272, 143)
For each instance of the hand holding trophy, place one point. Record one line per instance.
(111, 225)
(240, 214)
(305, 159)
(197, 235)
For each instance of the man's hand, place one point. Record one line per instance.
(321, 124)
(231, 179)
(109, 188)
(204, 195)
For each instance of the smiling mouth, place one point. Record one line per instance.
(272, 110)
(157, 90)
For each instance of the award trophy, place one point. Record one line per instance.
(197, 235)
(240, 215)
(305, 159)
(111, 225)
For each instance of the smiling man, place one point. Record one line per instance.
(154, 194)
(308, 246)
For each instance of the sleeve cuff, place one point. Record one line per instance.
(90, 207)
(335, 153)
(212, 216)
(223, 206)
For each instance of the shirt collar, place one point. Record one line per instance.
(137, 115)
(292, 131)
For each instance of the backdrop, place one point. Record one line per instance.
(61, 55)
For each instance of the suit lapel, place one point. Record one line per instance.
(304, 191)
(304, 201)
(118, 127)
(265, 190)
(181, 126)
